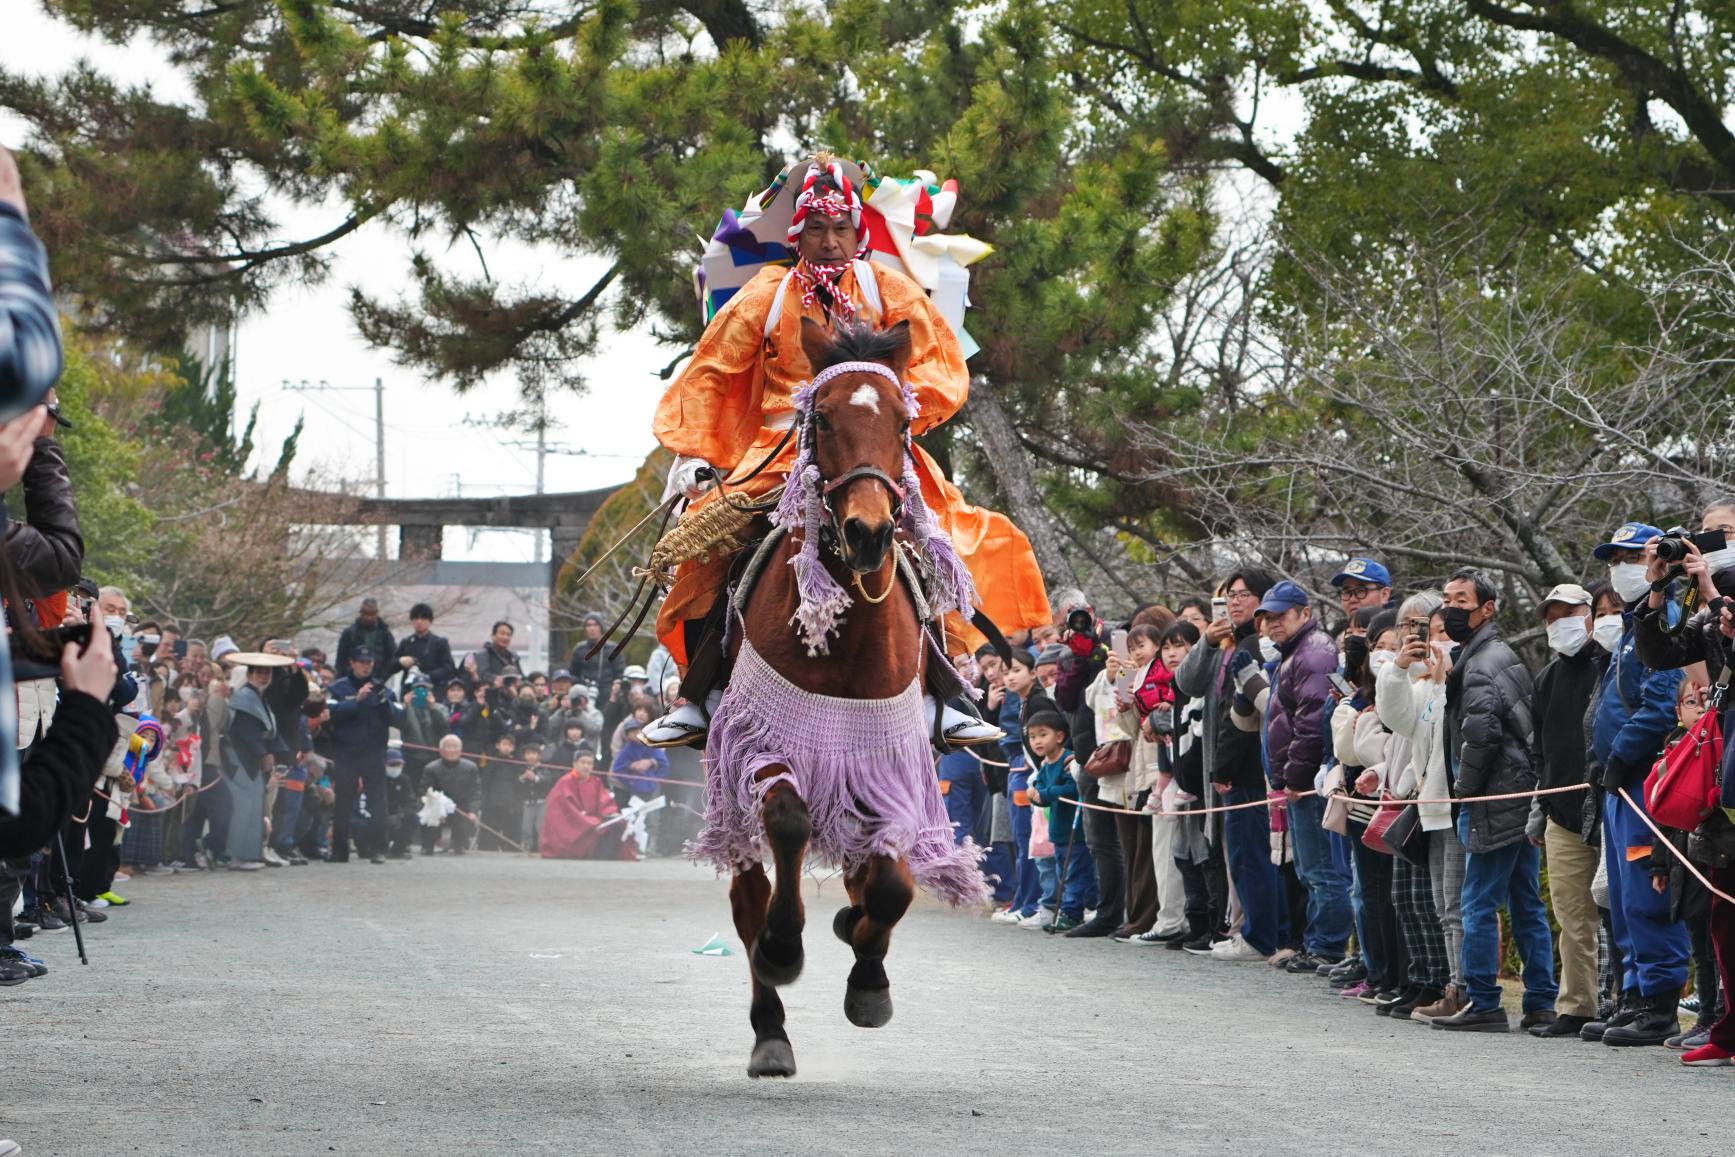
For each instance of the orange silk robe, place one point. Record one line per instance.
(739, 381)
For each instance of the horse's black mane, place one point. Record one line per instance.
(860, 342)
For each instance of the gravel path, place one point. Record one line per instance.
(494, 1004)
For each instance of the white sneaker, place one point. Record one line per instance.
(1004, 916)
(99, 902)
(1236, 950)
(274, 860)
(959, 729)
(246, 866)
(1041, 918)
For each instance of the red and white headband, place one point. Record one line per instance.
(826, 202)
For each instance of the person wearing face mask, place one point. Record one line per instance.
(1490, 722)
(402, 804)
(1708, 637)
(1410, 698)
(1563, 695)
(1711, 573)
(425, 723)
(1232, 765)
(1634, 712)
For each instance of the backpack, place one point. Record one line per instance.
(1685, 786)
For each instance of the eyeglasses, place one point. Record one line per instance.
(1242, 594)
(1349, 592)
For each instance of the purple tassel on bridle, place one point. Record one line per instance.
(822, 600)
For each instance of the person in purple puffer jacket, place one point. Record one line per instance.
(1295, 730)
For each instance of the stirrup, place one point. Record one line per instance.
(960, 733)
(680, 732)
(957, 735)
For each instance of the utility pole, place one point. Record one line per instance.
(541, 465)
(380, 460)
(379, 392)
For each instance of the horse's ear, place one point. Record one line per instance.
(899, 354)
(815, 343)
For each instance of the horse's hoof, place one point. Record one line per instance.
(772, 965)
(843, 924)
(771, 1058)
(867, 1007)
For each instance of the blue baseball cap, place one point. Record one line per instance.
(1364, 570)
(1631, 536)
(1285, 596)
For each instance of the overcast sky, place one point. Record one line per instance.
(306, 334)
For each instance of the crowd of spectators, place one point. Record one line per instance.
(283, 758)
(139, 751)
(1355, 792)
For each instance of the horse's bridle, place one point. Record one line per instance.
(830, 486)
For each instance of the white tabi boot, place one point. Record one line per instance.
(685, 726)
(959, 729)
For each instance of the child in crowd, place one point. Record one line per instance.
(534, 780)
(1021, 689)
(1055, 786)
(501, 805)
(1690, 900)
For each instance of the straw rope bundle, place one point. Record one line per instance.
(713, 528)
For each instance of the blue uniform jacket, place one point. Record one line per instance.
(1635, 710)
(360, 727)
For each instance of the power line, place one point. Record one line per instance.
(379, 392)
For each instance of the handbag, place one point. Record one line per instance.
(1406, 838)
(1109, 759)
(1396, 830)
(1682, 789)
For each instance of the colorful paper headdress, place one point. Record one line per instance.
(901, 219)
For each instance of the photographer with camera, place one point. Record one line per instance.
(363, 710)
(1634, 712)
(1664, 642)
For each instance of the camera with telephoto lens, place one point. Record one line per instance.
(1672, 547)
(1081, 621)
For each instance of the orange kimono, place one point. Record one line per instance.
(732, 404)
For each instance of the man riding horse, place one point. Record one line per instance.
(732, 407)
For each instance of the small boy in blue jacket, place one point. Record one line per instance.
(1053, 786)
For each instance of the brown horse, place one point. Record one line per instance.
(856, 424)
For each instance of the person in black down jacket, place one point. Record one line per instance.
(1490, 721)
(1564, 690)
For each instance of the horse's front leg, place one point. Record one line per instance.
(880, 892)
(776, 954)
(749, 897)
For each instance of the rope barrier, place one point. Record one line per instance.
(1676, 852)
(599, 771)
(157, 811)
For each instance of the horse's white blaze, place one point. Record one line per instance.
(867, 397)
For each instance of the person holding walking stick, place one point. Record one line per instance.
(1056, 787)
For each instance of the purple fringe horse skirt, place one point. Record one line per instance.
(863, 767)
